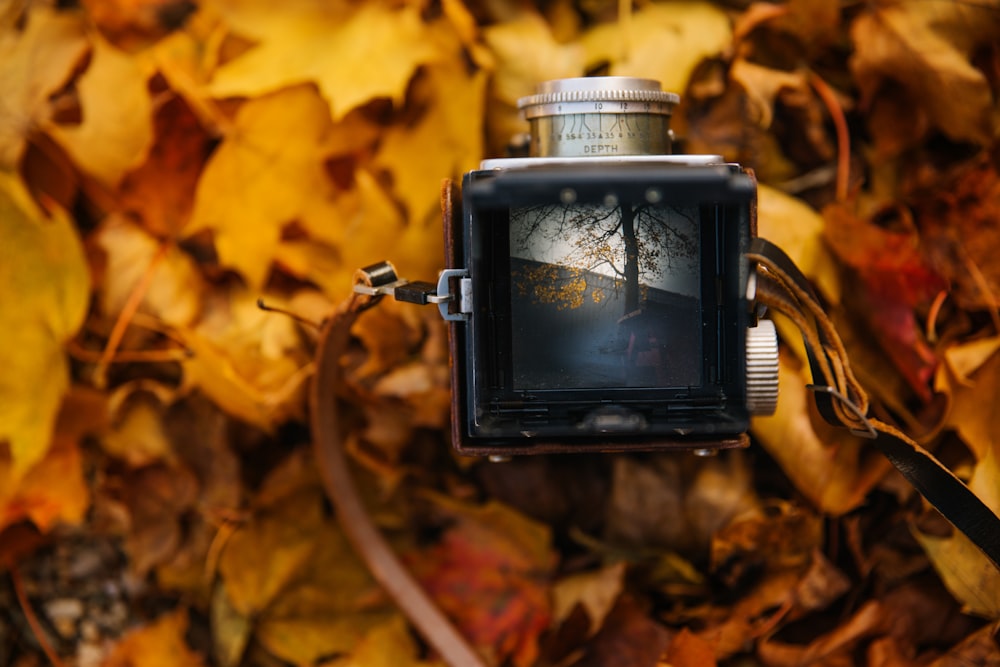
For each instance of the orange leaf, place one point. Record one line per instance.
(160, 644)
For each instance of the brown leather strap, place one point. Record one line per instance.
(355, 521)
(843, 402)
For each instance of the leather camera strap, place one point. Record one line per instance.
(840, 398)
(842, 402)
(355, 521)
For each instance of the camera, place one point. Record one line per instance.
(598, 290)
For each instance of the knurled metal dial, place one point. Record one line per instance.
(762, 368)
(599, 116)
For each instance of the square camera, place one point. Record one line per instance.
(602, 295)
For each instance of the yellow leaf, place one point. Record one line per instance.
(267, 173)
(249, 362)
(974, 388)
(967, 573)
(46, 289)
(662, 41)
(54, 489)
(263, 557)
(762, 85)
(926, 48)
(390, 644)
(596, 592)
(353, 52)
(828, 465)
(174, 293)
(117, 127)
(528, 54)
(796, 228)
(447, 137)
(159, 644)
(292, 571)
(34, 63)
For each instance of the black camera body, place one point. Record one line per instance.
(602, 297)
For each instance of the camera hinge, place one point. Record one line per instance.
(381, 280)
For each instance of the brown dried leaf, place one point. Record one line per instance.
(34, 62)
(925, 48)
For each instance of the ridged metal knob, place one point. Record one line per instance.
(610, 116)
(762, 369)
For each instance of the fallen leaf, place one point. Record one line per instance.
(137, 434)
(43, 269)
(526, 54)
(160, 192)
(267, 173)
(54, 490)
(251, 363)
(763, 85)
(34, 63)
(897, 278)
(662, 41)
(595, 592)
(628, 638)
(448, 134)
(160, 644)
(135, 23)
(673, 503)
(925, 47)
(116, 131)
(960, 236)
(173, 295)
(832, 468)
(291, 572)
(965, 570)
(387, 645)
(353, 53)
(971, 378)
(687, 649)
(489, 574)
(158, 497)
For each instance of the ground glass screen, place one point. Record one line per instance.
(605, 296)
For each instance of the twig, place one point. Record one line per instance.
(295, 316)
(128, 312)
(829, 98)
(32, 618)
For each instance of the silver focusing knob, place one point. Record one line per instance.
(599, 117)
(762, 368)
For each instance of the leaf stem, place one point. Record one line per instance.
(128, 312)
(829, 98)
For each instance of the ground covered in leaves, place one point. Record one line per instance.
(165, 163)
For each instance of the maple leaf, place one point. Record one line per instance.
(925, 47)
(34, 63)
(353, 52)
(488, 574)
(54, 489)
(267, 173)
(159, 644)
(967, 573)
(290, 571)
(662, 41)
(161, 190)
(826, 464)
(250, 362)
(175, 286)
(448, 134)
(117, 130)
(43, 269)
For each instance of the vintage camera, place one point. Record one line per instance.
(599, 293)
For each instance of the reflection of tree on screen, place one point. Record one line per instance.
(637, 246)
